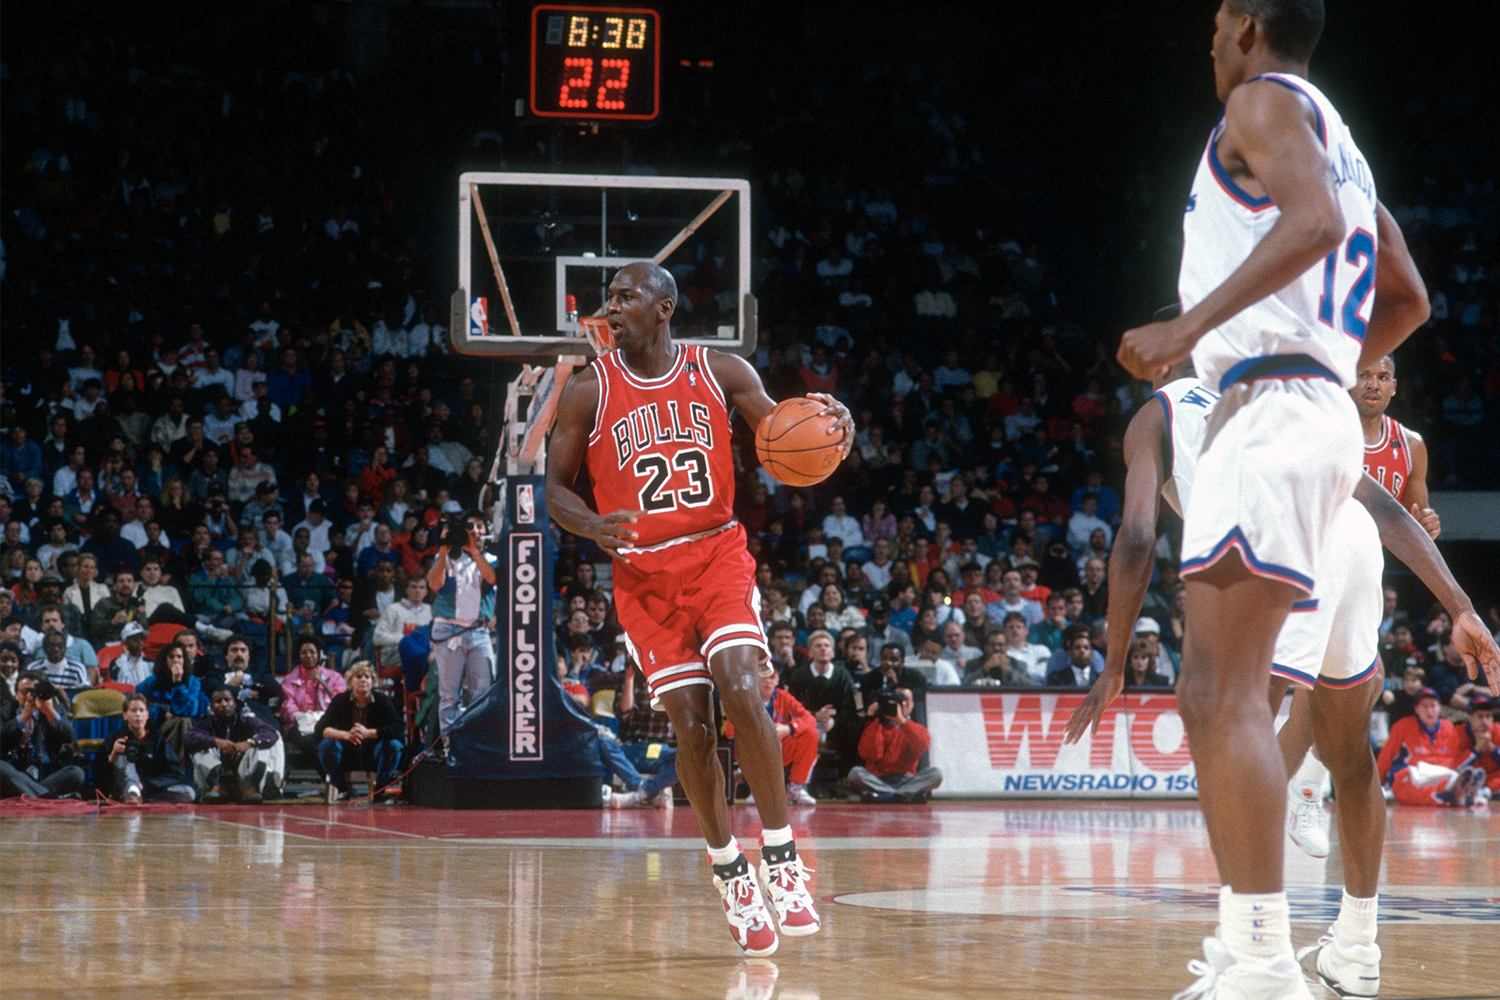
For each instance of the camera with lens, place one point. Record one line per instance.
(43, 690)
(455, 534)
(888, 704)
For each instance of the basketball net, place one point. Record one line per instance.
(596, 329)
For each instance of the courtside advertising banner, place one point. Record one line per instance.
(1011, 745)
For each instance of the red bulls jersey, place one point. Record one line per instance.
(662, 446)
(1389, 460)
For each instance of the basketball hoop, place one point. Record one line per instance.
(596, 329)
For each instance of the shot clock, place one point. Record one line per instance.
(595, 62)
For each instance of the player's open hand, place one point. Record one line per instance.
(1107, 687)
(1475, 644)
(1428, 519)
(610, 531)
(846, 419)
(1150, 351)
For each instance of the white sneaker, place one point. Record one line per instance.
(786, 886)
(745, 907)
(796, 795)
(662, 799)
(1222, 978)
(607, 794)
(627, 800)
(1350, 970)
(1307, 821)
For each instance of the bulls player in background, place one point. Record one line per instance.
(1395, 456)
(650, 420)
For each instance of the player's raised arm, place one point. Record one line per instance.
(1271, 140)
(1409, 541)
(1131, 558)
(745, 392)
(565, 451)
(1400, 297)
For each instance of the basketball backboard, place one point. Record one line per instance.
(530, 241)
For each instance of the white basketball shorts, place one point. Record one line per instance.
(1332, 638)
(1280, 458)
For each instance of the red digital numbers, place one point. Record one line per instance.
(581, 82)
(595, 62)
(617, 83)
(584, 67)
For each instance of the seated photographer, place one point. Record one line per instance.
(361, 728)
(891, 747)
(142, 764)
(36, 745)
(236, 755)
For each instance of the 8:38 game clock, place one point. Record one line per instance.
(595, 62)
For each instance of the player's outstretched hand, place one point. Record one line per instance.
(609, 531)
(1107, 687)
(1150, 351)
(1475, 644)
(1428, 519)
(846, 419)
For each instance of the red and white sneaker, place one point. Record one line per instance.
(749, 921)
(786, 885)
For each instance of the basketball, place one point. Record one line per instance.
(794, 444)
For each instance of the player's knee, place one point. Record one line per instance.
(1204, 700)
(695, 739)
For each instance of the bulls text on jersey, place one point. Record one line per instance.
(643, 427)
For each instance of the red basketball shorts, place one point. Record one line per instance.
(680, 603)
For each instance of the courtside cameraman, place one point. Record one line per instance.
(463, 582)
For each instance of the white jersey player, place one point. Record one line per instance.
(1281, 297)
(1327, 646)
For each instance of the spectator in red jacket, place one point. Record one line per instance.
(1479, 738)
(1423, 762)
(798, 729)
(891, 747)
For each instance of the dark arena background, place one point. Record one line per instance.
(244, 215)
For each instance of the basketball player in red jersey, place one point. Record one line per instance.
(1395, 456)
(650, 421)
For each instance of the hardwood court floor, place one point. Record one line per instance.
(953, 900)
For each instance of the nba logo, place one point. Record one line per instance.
(525, 504)
(479, 317)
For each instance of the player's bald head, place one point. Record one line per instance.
(653, 277)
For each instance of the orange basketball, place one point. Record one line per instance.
(794, 444)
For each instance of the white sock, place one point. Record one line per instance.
(1356, 922)
(726, 854)
(775, 838)
(1311, 775)
(1256, 926)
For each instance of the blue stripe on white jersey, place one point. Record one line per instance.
(1323, 313)
(1188, 403)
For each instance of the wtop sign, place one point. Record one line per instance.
(526, 623)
